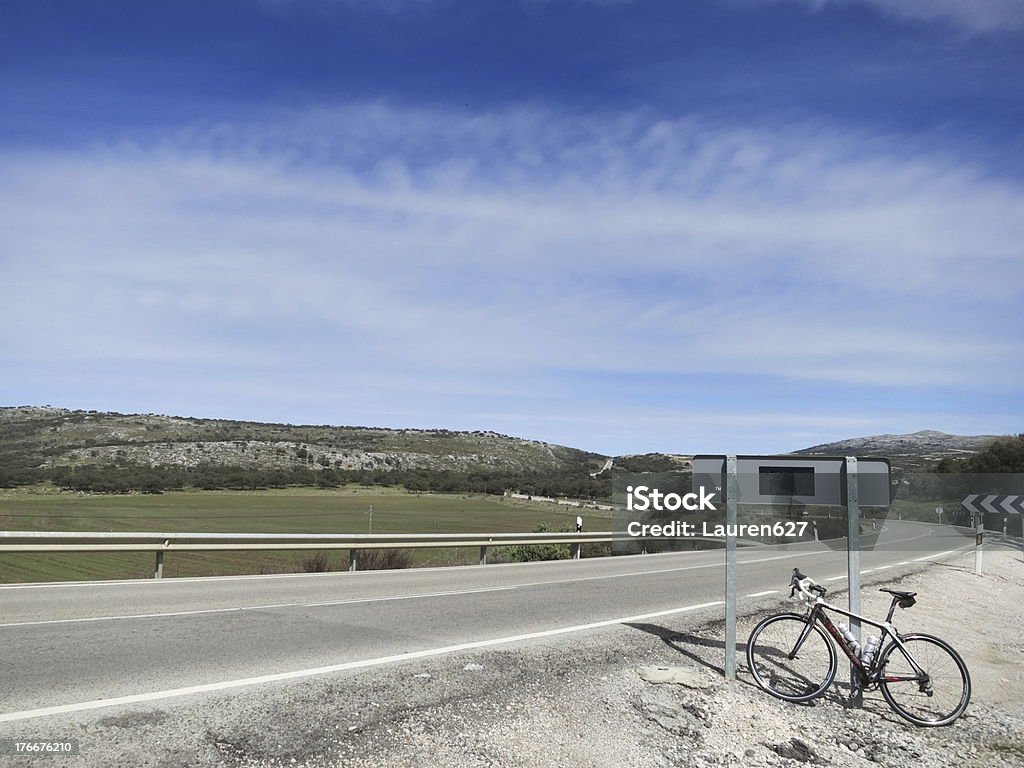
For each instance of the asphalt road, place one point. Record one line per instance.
(74, 647)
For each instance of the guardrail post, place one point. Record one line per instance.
(353, 559)
(576, 550)
(158, 572)
(483, 555)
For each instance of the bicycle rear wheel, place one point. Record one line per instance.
(790, 658)
(939, 696)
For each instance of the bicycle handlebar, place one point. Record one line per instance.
(805, 585)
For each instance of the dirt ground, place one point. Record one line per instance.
(597, 711)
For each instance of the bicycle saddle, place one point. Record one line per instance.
(899, 593)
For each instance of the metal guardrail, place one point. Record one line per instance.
(161, 543)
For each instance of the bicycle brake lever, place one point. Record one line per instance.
(795, 581)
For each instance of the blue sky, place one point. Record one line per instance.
(705, 226)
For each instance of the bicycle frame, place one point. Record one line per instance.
(866, 675)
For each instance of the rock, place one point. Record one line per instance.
(795, 749)
(676, 720)
(691, 677)
(473, 668)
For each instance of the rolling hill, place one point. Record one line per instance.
(91, 450)
(60, 445)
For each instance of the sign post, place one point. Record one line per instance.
(853, 559)
(731, 493)
(783, 481)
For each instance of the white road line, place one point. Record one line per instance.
(762, 594)
(408, 597)
(900, 541)
(337, 574)
(272, 576)
(357, 574)
(882, 567)
(630, 574)
(130, 616)
(718, 564)
(940, 554)
(868, 570)
(301, 673)
(347, 574)
(236, 609)
(200, 612)
(188, 579)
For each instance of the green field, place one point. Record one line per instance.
(298, 510)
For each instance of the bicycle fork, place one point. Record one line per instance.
(800, 640)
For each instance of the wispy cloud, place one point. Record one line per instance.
(973, 15)
(394, 260)
(977, 16)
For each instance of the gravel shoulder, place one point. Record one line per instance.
(578, 700)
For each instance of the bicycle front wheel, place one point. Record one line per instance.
(935, 695)
(791, 658)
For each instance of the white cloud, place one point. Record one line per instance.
(521, 256)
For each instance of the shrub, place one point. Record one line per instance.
(529, 553)
(384, 559)
(315, 562)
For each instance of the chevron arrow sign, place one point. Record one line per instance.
(978, 503)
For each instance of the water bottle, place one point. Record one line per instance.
(870, 650)
(850, 638)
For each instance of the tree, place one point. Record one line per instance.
(1005, 454)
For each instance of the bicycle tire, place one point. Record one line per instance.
(908, 698)
(797, 679)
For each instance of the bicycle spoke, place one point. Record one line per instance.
(810, 670)
(938, 694)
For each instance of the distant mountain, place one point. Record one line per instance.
(915, 452)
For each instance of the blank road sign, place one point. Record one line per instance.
(786, 480)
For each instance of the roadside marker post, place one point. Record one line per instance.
(977, 504)
(979, 541)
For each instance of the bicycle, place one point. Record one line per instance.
(793, 656)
